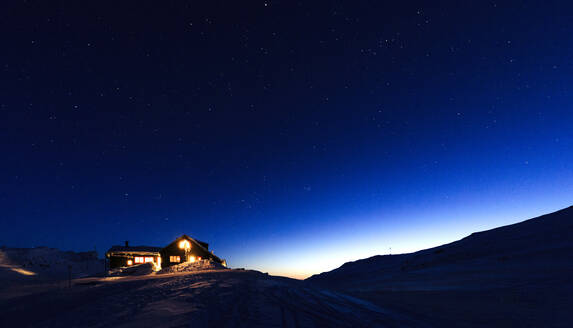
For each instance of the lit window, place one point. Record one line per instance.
(148, 259)
(174, 259)
(184, 244)
(191, 258)
(129, 262)
(139, 259)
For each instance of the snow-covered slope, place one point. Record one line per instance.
(527, 265)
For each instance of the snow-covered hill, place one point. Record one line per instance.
(40, 264)
(519, 274)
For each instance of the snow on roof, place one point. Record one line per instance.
(134, 249)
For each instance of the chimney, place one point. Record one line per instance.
(127, 243)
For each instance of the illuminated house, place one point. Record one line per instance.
(182, 249)
(187, 249)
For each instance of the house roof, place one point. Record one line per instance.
(134, 249)
(204, 244)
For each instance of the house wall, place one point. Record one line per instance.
(117, 261)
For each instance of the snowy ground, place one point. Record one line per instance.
(195, 298)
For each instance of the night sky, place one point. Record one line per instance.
(291, 136)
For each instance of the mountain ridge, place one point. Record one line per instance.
(514, 275)
(551, 231)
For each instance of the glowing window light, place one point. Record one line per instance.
(148, 259)
(129, 262)
(191, 258)
(139, 259)
(174, 259)
(157, 264)
(184, 244)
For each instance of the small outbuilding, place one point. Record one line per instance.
(120, 256)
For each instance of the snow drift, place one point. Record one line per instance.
(134, 270)
(193, 266)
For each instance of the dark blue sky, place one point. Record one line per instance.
(291, 136)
